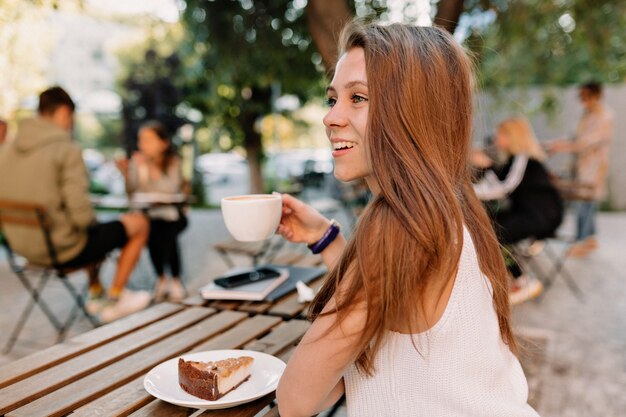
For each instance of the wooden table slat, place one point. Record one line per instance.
(158, 408)
(224, 304)
(245, 410)
(282, 337)
(255, 307)
(52, 378)
(25, 367)
(240, 335)
(117, 403)
(289, 306)
(89, 388)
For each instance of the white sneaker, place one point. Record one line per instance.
(523, 289)
(177, 291)
(128, 303)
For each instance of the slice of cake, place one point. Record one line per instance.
(212, 380)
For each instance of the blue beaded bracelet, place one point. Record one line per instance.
(331, 233)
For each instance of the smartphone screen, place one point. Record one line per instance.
(247, 277)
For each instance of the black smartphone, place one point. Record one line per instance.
(248, 277)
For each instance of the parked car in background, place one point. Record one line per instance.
(298, 162)
(228, 173)
(307, 167)
(222, 167)
(223, 174)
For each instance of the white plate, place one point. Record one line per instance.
(162, 380)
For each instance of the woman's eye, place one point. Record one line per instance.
(358, 99)
(330, 101)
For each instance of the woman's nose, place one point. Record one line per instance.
(336, 116)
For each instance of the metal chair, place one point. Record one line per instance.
(556, 258)
(29, 215)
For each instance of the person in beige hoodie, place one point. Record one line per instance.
(43, 165)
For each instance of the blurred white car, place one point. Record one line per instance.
(222, 168)
(298, 163)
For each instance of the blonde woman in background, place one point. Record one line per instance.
(533, 206)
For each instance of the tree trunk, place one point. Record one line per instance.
(448, 14)
(254, 151)
(325, 19)
(254, 154)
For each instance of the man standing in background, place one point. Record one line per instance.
(590, 147)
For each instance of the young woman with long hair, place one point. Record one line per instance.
(413, 319)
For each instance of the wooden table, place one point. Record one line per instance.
(100, 373)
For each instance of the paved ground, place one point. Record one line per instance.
(576, 364)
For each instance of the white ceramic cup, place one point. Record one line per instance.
(252, 217)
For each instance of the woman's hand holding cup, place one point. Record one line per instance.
(301, 223)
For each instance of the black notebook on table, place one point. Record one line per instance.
(296, 273)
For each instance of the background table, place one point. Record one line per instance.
(100, 373)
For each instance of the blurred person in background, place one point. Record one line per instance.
(3, 131)
(590, 146)
(533, 206)
(156, 168)
(43, 165)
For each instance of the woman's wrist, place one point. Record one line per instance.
(319, 232)
(330, 234)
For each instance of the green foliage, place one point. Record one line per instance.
(148, 83)
(556, 42)
(99, 131)
(235, 51)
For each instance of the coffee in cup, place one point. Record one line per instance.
(253, 217)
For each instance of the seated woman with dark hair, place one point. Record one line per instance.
(533, 206)
(156, 168)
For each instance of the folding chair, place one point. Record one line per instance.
(556, 258)
(28, 215)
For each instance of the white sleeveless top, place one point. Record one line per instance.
(462, 368)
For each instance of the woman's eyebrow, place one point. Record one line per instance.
(355, 83)
(331, 89)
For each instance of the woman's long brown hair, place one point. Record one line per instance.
(409, 237)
